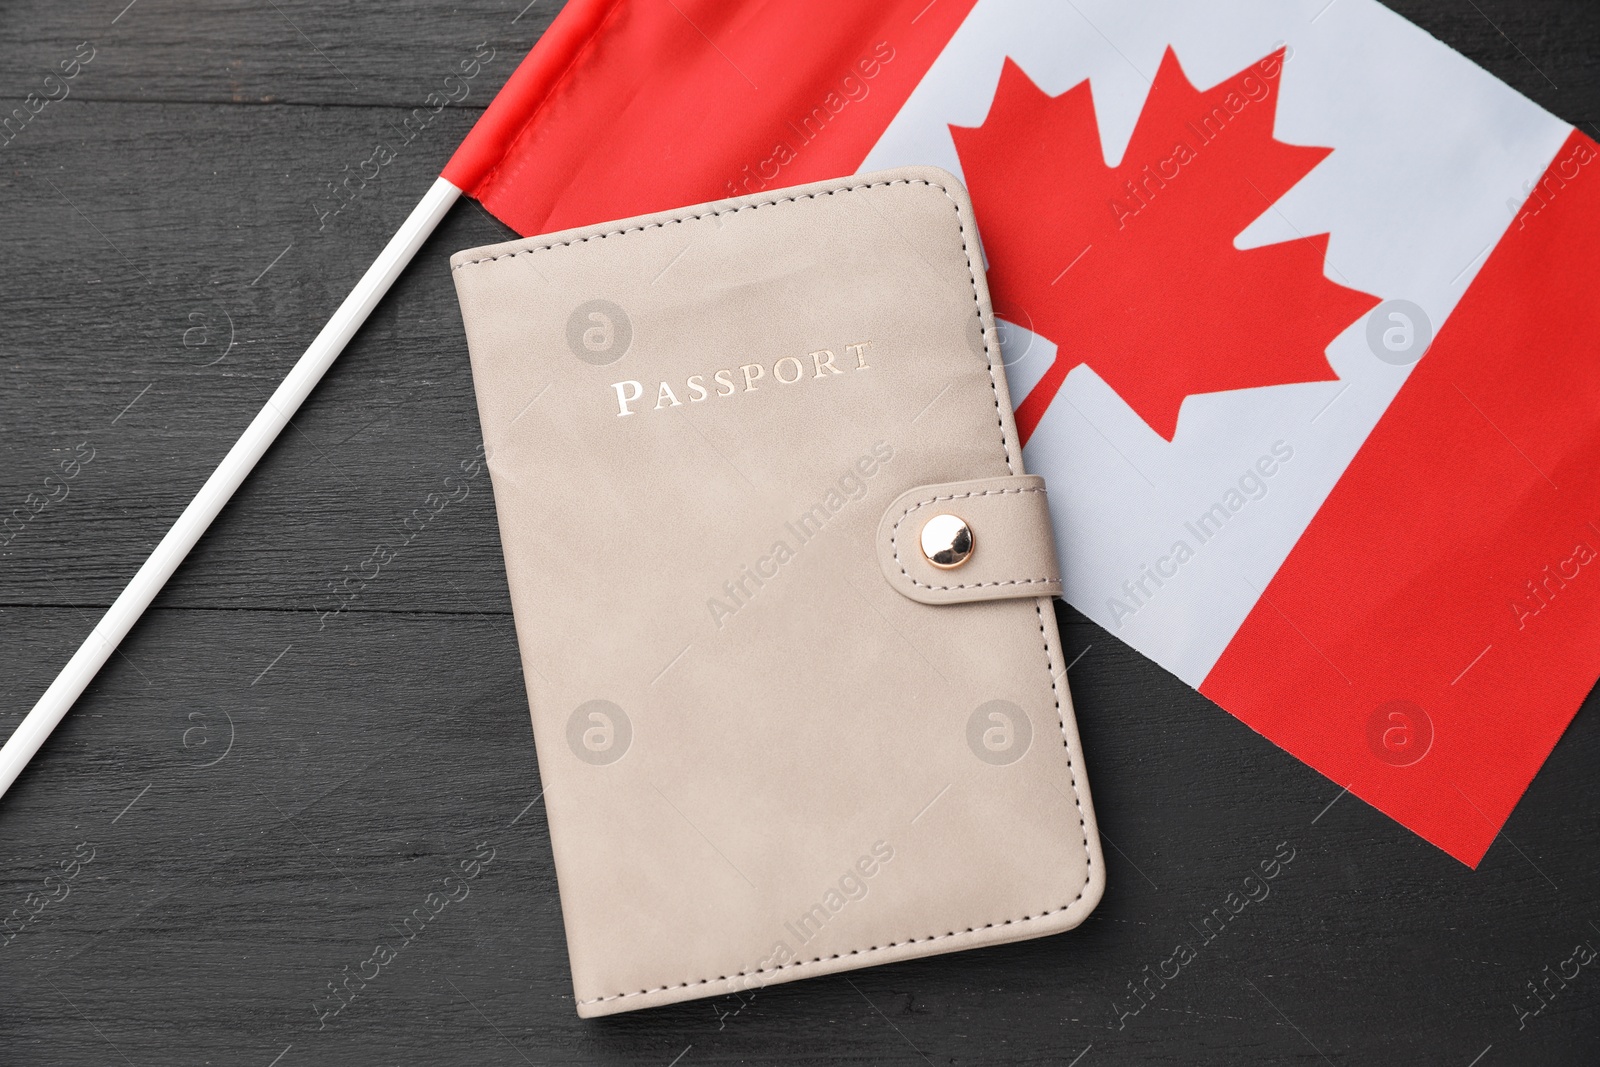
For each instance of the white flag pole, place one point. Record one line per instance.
(218, 489)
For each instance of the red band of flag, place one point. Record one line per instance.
(627, 108)
(1444, 604)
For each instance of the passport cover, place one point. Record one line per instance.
(775, 740)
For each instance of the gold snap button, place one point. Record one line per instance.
(947, 541)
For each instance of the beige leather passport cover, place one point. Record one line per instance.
(775, 742)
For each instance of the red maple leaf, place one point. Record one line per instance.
(1132, 269)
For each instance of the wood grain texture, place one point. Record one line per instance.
(269, 786)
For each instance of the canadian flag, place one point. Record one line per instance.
(1299, 308)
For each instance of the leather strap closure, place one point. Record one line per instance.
(1013, 545)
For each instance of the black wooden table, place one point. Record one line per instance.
(269, 775)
